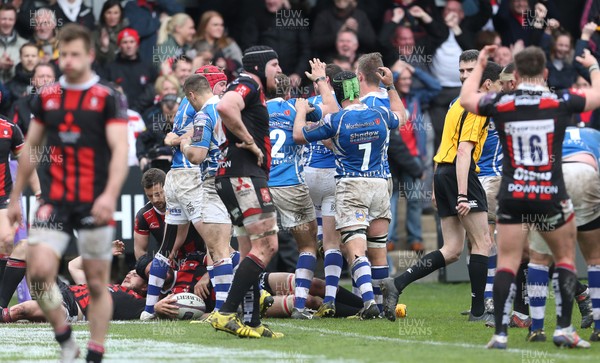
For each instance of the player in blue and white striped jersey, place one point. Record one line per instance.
(184, 196)
(286, 181)
(319, 174)
(359, 135)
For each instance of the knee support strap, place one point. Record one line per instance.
(377, 242)
(348, 236)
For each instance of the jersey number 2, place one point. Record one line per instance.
(366, 156)
(279, 137)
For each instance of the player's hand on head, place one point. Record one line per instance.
(485, 53)
(587, 59)
(385, 75)
(103, 209)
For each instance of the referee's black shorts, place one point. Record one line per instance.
(446, 191)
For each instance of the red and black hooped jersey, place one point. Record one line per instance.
(11, 141)
(188, 275)
(149, 221)
(531, 124)
(76, 156)
(82, 297)
(241, 162)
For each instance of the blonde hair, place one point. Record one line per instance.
(158, 85)
(169, 24)
(201, 30)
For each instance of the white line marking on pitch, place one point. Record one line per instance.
(425, 342)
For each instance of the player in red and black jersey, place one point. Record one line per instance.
(11, 142)
(84, 123)
(127, 297)
(150, 219)
(241, 183)
(531, 123)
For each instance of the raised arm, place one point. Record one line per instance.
(592, 94)
(469, 93)
(396, 105)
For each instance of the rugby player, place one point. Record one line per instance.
(286, 179)
(184, 196)
(241, 183)
(460, 199)
(84, 123)
(360, 146)
(319, 174)
(531, 123)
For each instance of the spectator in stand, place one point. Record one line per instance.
(487, 37)
(182, 69)
(10, 42)
(582, 119)
(44, 35)
(503, 56)
(150, 146)
(342, 16)
(112, 21)
(24, 71)
(175, 37)
(516, 20)
(143, 16)
(291, 41)
(422, 17)
(343, 62)
(211, 33)
(132, 73)
(444, 66)
(24, 9)
(43, 75)
(414, 135)
(562, 72)
(164, 85)
(73, 11)
(346, 44)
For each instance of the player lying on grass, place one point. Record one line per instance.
(192, 277)
(128, 297)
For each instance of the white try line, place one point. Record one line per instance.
(427, 342)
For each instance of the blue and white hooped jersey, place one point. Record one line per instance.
(359, 134)
(286, 156)
(209, 134)
(490, 161)
(182, 122)
(581, 140)
(316, 154)
(379, 99)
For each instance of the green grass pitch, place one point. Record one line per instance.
(433, 331)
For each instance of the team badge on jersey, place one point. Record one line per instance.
(242, 90)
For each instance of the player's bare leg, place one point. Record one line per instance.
(7, 233)
(588, 243)
(28, 310)
(41, 273)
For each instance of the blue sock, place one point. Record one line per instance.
(537, 290)
(235, 260)
(361, 272)
(305, 270)
(223, 275)
(491, 272)
(594, 286)
(333, 269)
(379, 273)
(156, 280)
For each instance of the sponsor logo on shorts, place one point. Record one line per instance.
(236, 214)
(190, 208)
(266, 196)
(154, 225)
(360, 215)
(88, 221)
(472, 204)
(174, 211)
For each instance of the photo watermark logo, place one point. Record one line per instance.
(290, 19)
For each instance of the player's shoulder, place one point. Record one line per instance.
(103, 87)
(244, 84)
(145, 209)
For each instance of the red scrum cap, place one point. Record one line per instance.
(213, 74)
(128, 32)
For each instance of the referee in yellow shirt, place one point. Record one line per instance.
(460, 198)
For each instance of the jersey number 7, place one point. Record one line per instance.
(366, 155)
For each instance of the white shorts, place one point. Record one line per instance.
(93, 243)
(213, 209)
(583, 186)
(491, 185)
(183, 192)
(360, 200)
(293, 204)
(321, 187)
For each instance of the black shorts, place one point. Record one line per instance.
(595, 224)
(446, 191)
(4, 202)
(543, 216)
(244, 197)
(69, 301)
(64, 217)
